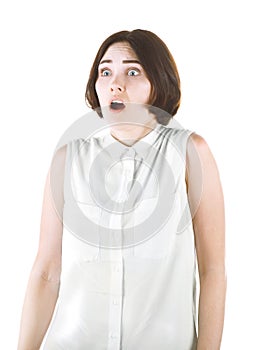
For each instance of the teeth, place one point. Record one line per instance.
(116, 101)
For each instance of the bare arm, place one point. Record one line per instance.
(207, 206)
(43, 286)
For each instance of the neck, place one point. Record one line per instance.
(130, 133)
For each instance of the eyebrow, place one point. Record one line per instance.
(124, 61)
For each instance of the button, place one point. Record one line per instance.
(131, 153)
(113, 336)
(116, 268)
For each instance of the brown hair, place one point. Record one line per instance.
(158, 63)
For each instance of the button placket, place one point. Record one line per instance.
(115, 310)
(117, 273)
(115, 302)
(127, 217)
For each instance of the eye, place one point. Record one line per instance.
(105, 72)
(133, 72)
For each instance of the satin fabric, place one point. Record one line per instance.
(139, 294)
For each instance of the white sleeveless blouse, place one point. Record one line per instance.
(128, 257)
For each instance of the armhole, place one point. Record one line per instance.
(66, 170)
(57, 178)
(187, 138)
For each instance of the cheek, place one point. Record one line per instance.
(99, 90)
(148, 88)
(146, 91)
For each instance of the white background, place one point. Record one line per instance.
(47, 48)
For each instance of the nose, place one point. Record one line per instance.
(117, 85)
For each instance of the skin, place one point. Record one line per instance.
(207, 207)
(205, 198)
(44, 281)
(121, 77)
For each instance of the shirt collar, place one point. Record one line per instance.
(140, 147)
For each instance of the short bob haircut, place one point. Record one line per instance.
(159, 65)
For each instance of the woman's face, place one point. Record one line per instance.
(121, 79)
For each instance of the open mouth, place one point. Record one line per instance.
(117, 105)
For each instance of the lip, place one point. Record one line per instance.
(120, 108)
(115, 98)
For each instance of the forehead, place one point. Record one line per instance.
(120, 49)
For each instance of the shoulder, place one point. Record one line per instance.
(71, 147)
(60, 154)
(61, 151)
(198, 146)
(175, 134)
(200, 162)
(197, 140)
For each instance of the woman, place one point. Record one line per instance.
(131, 286)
